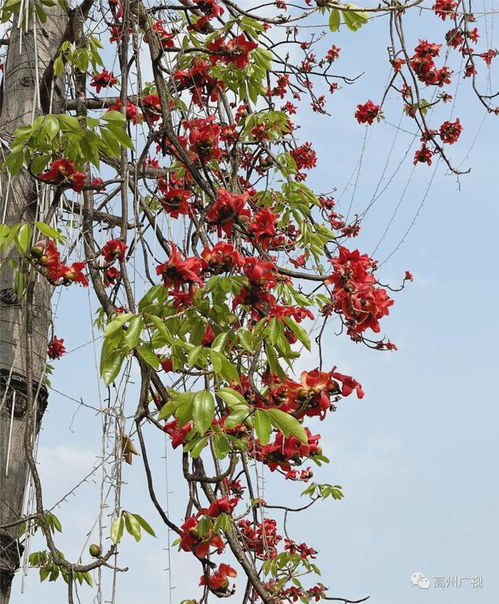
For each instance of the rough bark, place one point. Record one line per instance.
(18, 203)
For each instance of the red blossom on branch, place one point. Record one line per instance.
(55, 348)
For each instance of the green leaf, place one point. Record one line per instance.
(237, 417)
(217, 360)
(132, 526)
(148, 355)
(48, 231)
(116, 323)
(287, 424)
(193, 355)
(354, 20)
(184, 411)
(23, 238)
(88, 578)
(51, 126)
(111, 361)
(198, 447)
(299, 332)
(246, 339)
(263, 426)
(145, 525)
(58, 66)
(38, 163)
(117, 528)
(132, 334)
(232, 397)
(203, 410)
(334, 19)
(229, 370)
(221, 445)
(161, 327)
(219, 342)
(205, 526)
(114, 116)
(168, 409)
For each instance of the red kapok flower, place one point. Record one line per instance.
(74, 274)
(223, 257)
(55, 348)
(114, 249)
(423, 156)
(175, 201)
(102, 80)
(204, 137)
(218, 582)
(450, 131)
(304, 156)
(177, 271)
(132, 111)
(445, 8)
(239, 49)
(152, 107)
(227, 209)
(367, 113)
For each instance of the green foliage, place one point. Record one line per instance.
(203, 410)
(79, 56)
(353, 19)
(134, 525)
(323, 491)
(11, 10)
(80, 140)
(287, 424)
(51, 570)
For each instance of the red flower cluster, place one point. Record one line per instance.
(204, 135)
(132, 111)
(199, 82)
(450, 131)
(63, 171)
(55, 348)
(424, 66)
(220, 506)
(445, 8)
(177, 434)
(235, 51)
(49, 259)
(261, 277)
(287, 451)
(261, 538)
(222, 258)
(218, 582)
(177, 271)
(423, 156)
(227, 209)
(113, 250)
(333, 53)
(263, 228)
(303, 549)
(104, 79)
(355, 296)
(152, 107)
(175, 199)
(166, 38)
(210, 9)
(191, 541)
(367, 113)
(312, 397)
(304, 156)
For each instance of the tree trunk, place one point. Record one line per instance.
(18, 203)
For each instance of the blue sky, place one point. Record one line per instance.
(417, 456)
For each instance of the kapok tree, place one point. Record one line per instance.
(181, 202)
